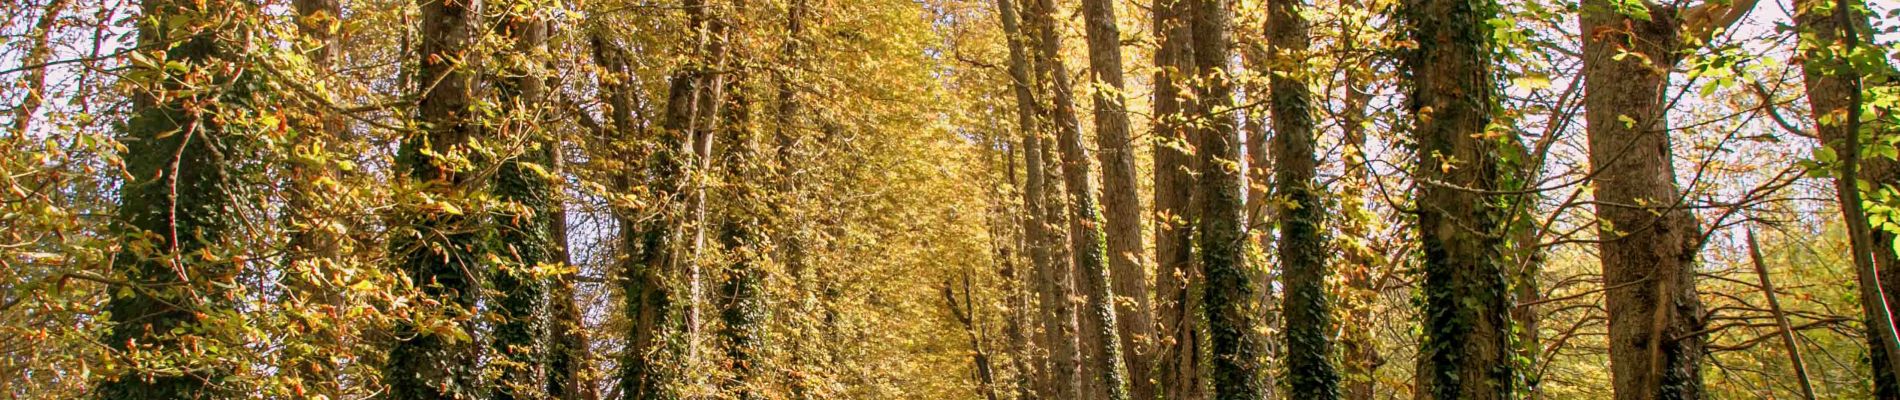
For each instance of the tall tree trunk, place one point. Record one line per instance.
(520, 335)
(742, 288)
(1465, 352)
(440, 253)
(175, 207)
(1831, 84)
(568, 356)
(1230, 293)
(1180, 337)
(314, 247)
(658, 277)
(1085, 224)
(1052, 270)
(1015, 281)
(1119, 197)
(1648, 240)
(1309, 322)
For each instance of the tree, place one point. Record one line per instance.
(522, 183)
(1648, 239)
(176, 208)
(1307, 310)
(1085, 218)
(441, 247)
(1830, 32)
(1465, 349)
(1119, 197)
(1181, 336)
(1230, 293)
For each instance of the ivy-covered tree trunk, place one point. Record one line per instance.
(1648, 238)
(1085, 217)
(1465, 350)
(176, 209)
(1133, 311)
(1180, 334)
(742, 306)
(1830, 84)
(521, 312)
(438, 246)
(1230, 294)
(1307, 309)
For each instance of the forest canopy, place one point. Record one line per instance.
(949, 199)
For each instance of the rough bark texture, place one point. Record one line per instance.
(656, 276)
(175, 207)
(1465, 352)
(1085, 217)
(441, 252)
(1829, 86)
(520, 336)
(1120, 198)
(742, 304)
(1307, 310)
(1648, 239)
(1230, 294)
(1058, 339)
(1180, 333)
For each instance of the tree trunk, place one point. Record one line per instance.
(1180, 337)
(1830, 84)
(1230, 293)
(1465, 352)
(1085, 219)
(1648, 239)
(742, 289)
(569, 357)
(520, 335)
(1781, 318)
(431, 365)
(1309, 322)
(658, 274)
(175, 206)
(314, 247)
(1120, 198)
(1060, 381)
(1357, 343)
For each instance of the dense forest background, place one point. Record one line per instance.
(949, 199)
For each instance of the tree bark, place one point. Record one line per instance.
(432, 365)
(742, 288)
(1648, 239)
(1465, 352)
(1133, 310)
(520, 335)
(1058, 337)
(1308, 329)
(175, 207)
(1085, 218)
(1230, 293)
(1830, 83)
(1181, 336)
